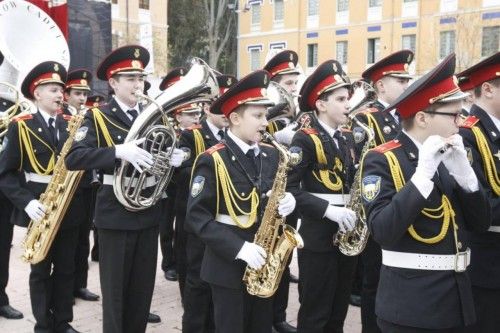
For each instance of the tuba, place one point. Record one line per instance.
(284, 103)
(20, 106)
(140, 190)
(353, 242)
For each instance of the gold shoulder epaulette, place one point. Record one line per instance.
(469, 122)
(370, 110)
(310, 131)
(345, 130)
(213, 149)
(23, 117)
(387, 146)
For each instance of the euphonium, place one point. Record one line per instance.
(56, 199)
(263, 282)
(130, 186)
(353, 242)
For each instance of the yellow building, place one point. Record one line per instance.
(359, 32)
(142, 22)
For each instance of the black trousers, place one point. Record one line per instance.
(83, 244)
(6, 231)
(180, 246)
(388, 327)
(487, 303)
(127, 267)
(236, 311)
(167, 233)
(372, 260)
(280, 300)
(198, 314)
(51, 284)
(326, 279)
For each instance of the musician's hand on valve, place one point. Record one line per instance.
(458, 164)
(177, 157)
(344, 217)
(35, 210)
(429, 157)
(286, 204)
(253, 254)
(132, 153)
(285, 135)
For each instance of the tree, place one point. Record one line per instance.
(220, 21)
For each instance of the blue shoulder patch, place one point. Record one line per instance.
(370, 187)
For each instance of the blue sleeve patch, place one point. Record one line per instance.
(197, 187)
(370, 187)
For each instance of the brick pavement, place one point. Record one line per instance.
(88, 317)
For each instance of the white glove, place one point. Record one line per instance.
(285, 135)
(286, 204)
(133, 154)
(429, 157)
(458, 165)
(35, 210)
(344, 217)
(177, 157)
(253, 254)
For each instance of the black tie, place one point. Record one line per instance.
(337, 136)
(397, 116)
(221, 135)
(133, 113)
(53, 131)
(253, 159)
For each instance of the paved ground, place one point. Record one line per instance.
(88, 316)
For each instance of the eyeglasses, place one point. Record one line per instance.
(456, 115)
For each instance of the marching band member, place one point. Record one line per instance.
(420, 195)
(481, 133)
(226, 202)
(283, 70)
(390, 78)
(128, 241)
(321, 184)
(75, 93)
(197, 300)
(32, 145)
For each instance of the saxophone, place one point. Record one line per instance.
(56, 199)
(263, 282)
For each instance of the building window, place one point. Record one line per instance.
(448, 6)
(279, 10)
(313, 7)
(373, 50)
(256, 14)
(343, 5)
(144, 4)
(374, 3)
(341, 52)
(490, 43)
(312, 55)
(446, 43)
(254, 59)
(408, 42)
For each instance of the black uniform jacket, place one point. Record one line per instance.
(411, 297)
(384, 126)
(316, 231)
(183, 173)
(485, 265)
(92, 152)
(223, 241)
(15, 162)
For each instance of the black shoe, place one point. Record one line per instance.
(153, 318)
(86, 295)
(284, 327)
(294, 278)
(355, 300)
(171, 274)
(68, 329)
(9, 312)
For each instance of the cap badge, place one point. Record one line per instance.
(291, 56)
(83, 82)
(137, 53)
(84, 75)
(56, 67)
(181, 72)
(229, 81)
(265, 79)
(405, 67)
(56, 76)
(410, 58)
(337, 78)
(136, 64)
(334, 65)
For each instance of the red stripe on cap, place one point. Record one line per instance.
(424, 98)
(170, 82)
(222, 90)
(77, 83)
(484, 74)
(281, 67)
(318, 90)
(466, 85)
(45, 78)
(387, 70)
(241, 98)
(126, 64)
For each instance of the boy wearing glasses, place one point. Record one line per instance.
(420, 195)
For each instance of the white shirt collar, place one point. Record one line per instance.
(331, 131)
(47, 116)
(418, 144)
(495, 120)
(214, 129)
(245, 147)
(125, 107)
(385, 104)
